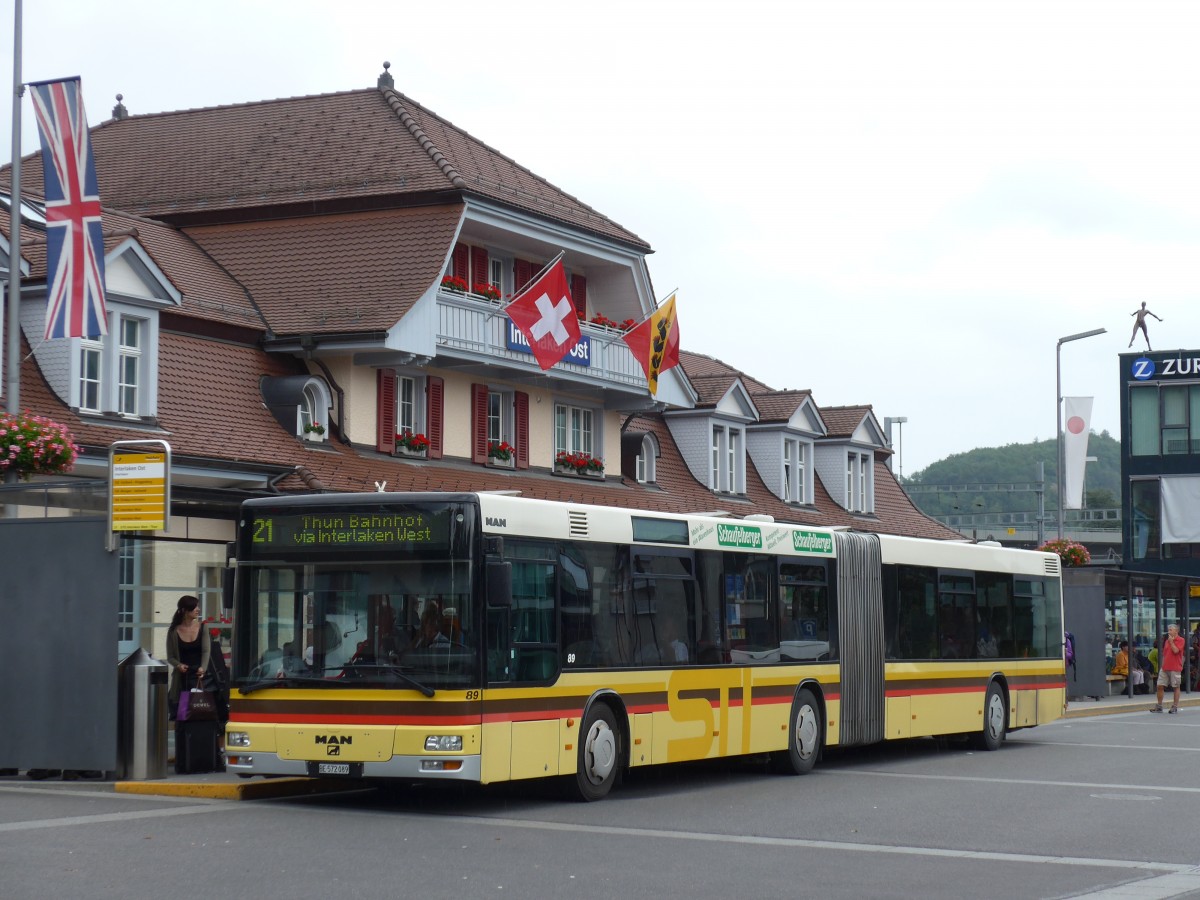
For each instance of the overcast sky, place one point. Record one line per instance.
(902, 204)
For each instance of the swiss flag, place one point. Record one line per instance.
(546, 316)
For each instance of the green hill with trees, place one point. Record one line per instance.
(1012, 464)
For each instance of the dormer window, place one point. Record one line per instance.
(115, 372)
(644, 463)
(859, 485)
(727, 472)
(796, 468)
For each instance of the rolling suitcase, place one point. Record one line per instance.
(196, 747)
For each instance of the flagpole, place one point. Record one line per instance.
(542, 271)
(516, 294)
(13, 335)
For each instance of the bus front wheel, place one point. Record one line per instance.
(804, 737)
(599, 754)
(995, 720)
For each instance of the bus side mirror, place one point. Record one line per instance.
(499, 583)
(227, 576)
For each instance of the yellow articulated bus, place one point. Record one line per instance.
(488, 637)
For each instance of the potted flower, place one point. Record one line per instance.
(604, 321)
(314, 431)
(35, 445)
(579, 463)
(409, 444)
(627, 325)
(487, 292)
(1072, 553)
(454, 284)
(500, 453)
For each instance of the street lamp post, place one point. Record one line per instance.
(1058, 412)
(888, 422)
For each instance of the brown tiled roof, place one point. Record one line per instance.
(778, 406)
(207, 291)
(698, 365)
(711, 388)
(841, 421)
(318, 150)
(338, 273)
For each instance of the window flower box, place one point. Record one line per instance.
(501, 454)
(578, 464)
(454, 284)
(314, 431)
(485, 291)
(412, 445)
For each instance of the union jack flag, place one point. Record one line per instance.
(74, 243)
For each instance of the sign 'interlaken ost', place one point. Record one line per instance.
(544, 313)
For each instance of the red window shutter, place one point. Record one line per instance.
(479, 266)
(479, 411)
(435, 391)
(461, 261)
(579, 293)
(385, 412)
(522, 272)
(521, 428)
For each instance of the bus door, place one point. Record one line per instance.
(523, 637)
(860, 637)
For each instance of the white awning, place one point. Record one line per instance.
(1180, 509)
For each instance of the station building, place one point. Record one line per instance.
(298, 288)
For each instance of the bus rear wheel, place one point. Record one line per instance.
(599, 754)
(804, 737)
(995, 720)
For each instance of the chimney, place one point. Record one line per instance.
(119, 111)
(385, 79)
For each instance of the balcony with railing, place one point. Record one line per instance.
(474, 329)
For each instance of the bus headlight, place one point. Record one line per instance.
(446, 743)
(237, 739)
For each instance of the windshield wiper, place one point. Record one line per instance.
(290, 681)
(304, 680)
(394, 670)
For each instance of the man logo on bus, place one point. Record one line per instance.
(333, 739)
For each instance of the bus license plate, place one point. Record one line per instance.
(332, 768)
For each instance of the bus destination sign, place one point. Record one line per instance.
(338, 529)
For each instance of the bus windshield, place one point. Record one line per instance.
(338, 598)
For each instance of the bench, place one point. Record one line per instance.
(1116, 684)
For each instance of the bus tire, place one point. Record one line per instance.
(995, 720)
(804, 737)
(599, 754)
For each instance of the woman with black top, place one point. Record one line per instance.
(188, 649)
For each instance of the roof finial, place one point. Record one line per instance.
(385, 78)
(119, 111)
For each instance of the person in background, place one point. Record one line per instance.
(1121, 666)
(1171, 671)
(188, 650)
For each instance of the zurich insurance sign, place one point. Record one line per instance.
(1164, 367)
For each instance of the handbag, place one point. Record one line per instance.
(196, 705)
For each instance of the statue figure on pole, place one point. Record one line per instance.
(1140, 322)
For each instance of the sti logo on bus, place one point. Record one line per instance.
(740, 536)
(1143, 368)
